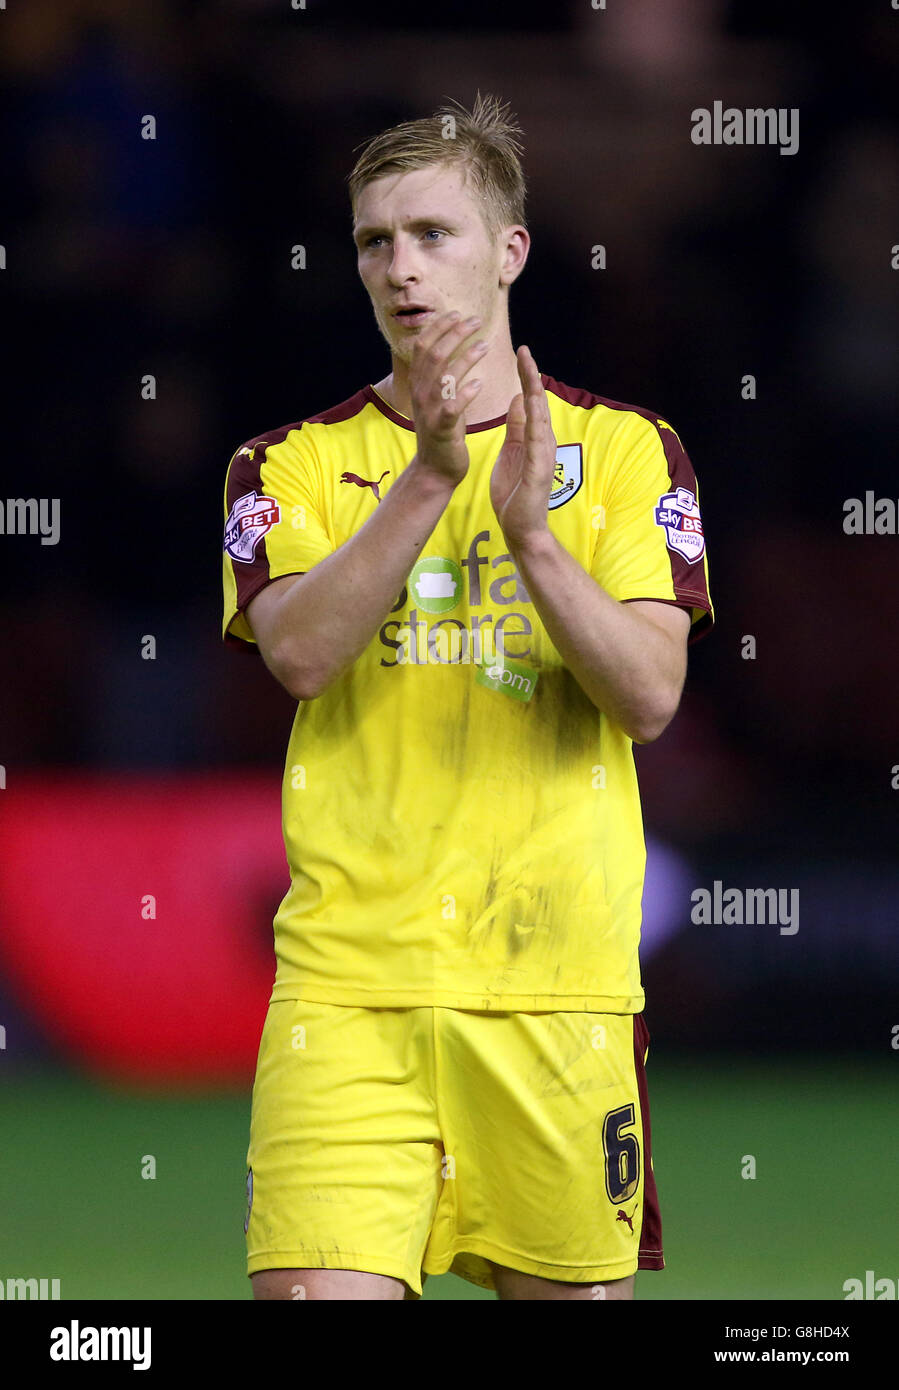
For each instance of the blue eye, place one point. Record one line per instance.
(432, 231)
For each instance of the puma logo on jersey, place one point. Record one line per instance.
(365, 482)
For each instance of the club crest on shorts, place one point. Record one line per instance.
(568, 476)
(251, 517)
(678, 512)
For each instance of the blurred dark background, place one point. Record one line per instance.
(172, 257)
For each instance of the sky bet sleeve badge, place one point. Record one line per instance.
(251, 517)
(568, 475)
(678, 512)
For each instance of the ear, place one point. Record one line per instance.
(516, 245)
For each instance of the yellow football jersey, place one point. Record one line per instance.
(462, 825)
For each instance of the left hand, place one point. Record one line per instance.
(523, 473)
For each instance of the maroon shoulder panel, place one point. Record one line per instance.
(336, 413)
(688, 581)
(244, 475)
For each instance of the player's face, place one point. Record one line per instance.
(421, 240)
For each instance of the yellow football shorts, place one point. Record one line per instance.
(403, 1141)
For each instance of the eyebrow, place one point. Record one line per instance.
(362, 233)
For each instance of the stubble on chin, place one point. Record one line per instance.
(399, 351)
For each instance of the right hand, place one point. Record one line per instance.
(439, 398)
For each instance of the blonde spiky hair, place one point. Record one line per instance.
(484, 141)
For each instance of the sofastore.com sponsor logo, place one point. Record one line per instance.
(437, 586)
(436, 583)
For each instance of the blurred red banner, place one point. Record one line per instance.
(135, 917)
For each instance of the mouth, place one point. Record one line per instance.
(411, 315)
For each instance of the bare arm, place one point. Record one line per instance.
(629, 658)
(309, 628)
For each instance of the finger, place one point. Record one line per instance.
(461, 364)
(437, 380)
(441, 339)
(437, 327)
(530, 377)
(539, 436)
(527, 367)
(516, 420)
(446, 413)
(539, 425)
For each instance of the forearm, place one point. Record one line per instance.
(627, 666)
(327, 619)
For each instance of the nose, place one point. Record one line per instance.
(403, 266)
